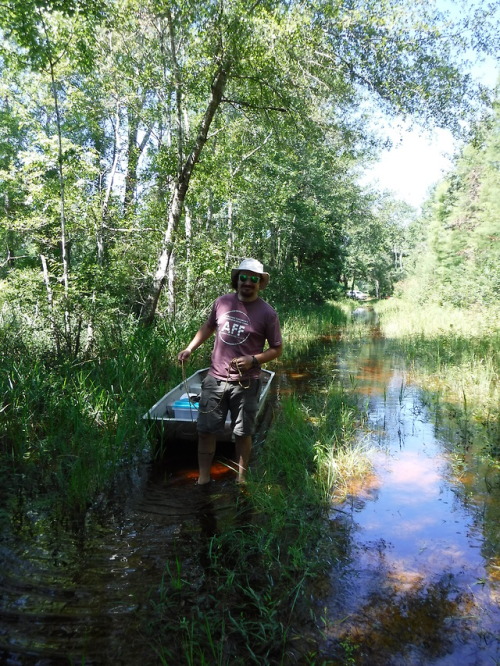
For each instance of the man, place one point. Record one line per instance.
(243, 322)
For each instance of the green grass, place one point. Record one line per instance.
(455, 352)
(454, 355)
(303, 326)
(69, 428)
(252, 603)
(72, 428)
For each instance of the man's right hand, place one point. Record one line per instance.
(184, 355)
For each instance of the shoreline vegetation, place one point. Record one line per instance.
(253, 602)
(280, 557)
(68, 429)
(453, 354)
(71, 431)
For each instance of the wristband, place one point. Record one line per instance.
(255, 363)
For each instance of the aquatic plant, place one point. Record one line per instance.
(455, 350)
(69, 428)
(73, 429)
(454, 356)
(302, 326)
(255, 590)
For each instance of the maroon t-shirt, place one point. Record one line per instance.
(241, 330)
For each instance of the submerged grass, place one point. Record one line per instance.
(455, 358)
(252, 602)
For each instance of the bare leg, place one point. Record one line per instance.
(243, 447)
(206, 450)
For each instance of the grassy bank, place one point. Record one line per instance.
(68, 428)
(455, 357)
(303, 326)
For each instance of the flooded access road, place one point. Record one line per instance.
(421, 581)
(84, 595)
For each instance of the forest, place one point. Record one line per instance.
(146, 148)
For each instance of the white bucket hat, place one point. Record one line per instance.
(254, 266)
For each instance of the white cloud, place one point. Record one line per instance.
(418, 160)
(415, 163)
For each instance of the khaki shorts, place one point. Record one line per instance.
(219, 397)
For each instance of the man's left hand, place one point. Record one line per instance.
(243, 363)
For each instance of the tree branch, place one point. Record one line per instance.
(248, 105)
(14, 258)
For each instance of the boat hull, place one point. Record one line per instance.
(170, 423)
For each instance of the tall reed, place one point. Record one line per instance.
(68, 428)
(256, 604)
(455, 355)
(304, 325)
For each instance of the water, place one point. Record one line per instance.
(74, 597)
(419, 582)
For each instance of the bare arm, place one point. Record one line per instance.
(246, 362)
(203, 334)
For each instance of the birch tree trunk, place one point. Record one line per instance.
(135, 150)
(68, 333)
(171, 286)
(179, 194)
(230, 232)
(50, 301)
(189, 236)
(62, 210)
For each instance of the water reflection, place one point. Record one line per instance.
(418, 574)
(83, 597)
(414, 586)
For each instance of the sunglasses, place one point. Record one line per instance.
(253, 278)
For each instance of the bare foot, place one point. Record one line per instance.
(204, 483)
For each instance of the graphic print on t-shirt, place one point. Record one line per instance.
(234, 327)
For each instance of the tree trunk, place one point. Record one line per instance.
(179, 195)
(62, 208)
(135, 149)
(50, 301)
(230, 231)
(189, 226)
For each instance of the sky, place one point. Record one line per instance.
(418, 160)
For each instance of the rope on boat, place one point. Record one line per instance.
(226, 381)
